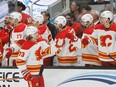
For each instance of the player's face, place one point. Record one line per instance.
(84, 11)
(34, 23)
(11, 21)
(35, 36)
(6, 20)
(56, 25)
(82, 23)
(103, 20)
(68, 18)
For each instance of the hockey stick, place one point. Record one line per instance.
(111, 57)
(41, 70)
(11, 78)
(9, 45)
(109, 53)
(4, 59)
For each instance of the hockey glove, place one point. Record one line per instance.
(26, 75)
(85, 41)
(70, 36)
(38, 81)
(9, 52)
(9, 27)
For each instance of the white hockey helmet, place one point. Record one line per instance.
(107, 15)
(87, 18)
(39, 18)
(16, 15)
(60, 20)
(31, 30)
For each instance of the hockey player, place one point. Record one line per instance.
(31, 56)
(4, 36)
(18, 33)
(43, 29)
(65, 39)
(89, 52)
(75, 25)
(45, 33)
(105, 33)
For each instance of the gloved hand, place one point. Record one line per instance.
(38, 82)
(9, 27)
(85, 41)
(70, 36)
(28, 77)
(9, 52)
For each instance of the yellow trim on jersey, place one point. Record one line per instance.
(90, 58)
(46, 51)
(34, 68)
(15, 54)
(67, 59)
(20, 62)
(105, 55)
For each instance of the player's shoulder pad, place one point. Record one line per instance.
(42, 29)
(28, 44)
(20, 27)
(20, 42)
(113, 27)
(98, 26)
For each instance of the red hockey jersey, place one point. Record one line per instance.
(26, 19)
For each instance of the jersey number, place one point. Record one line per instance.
(21, 54)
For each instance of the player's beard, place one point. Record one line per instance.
(69, 23)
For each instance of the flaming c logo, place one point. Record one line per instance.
(104, 40)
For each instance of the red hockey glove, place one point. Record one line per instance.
(70, 36)
(28, 77)
(85, 41)
(38, 82)
(9, 52)
(9, 27)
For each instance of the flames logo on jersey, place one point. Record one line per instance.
(46, 51)
(72, 48)
(38, 53)
(106, 40)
